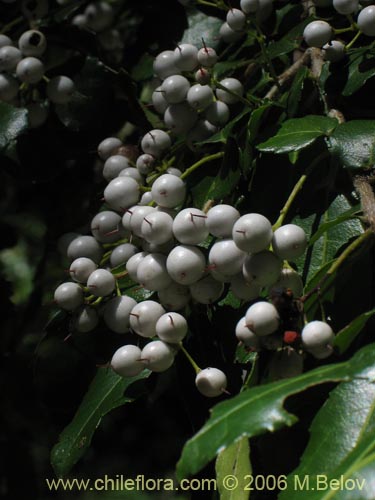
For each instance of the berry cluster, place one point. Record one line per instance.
(180, 254)
(22, 77)
(187, 96)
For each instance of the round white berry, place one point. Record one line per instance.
(68, 296)
(85, 246)
(121, 254)
(218, 113)
(32, 43)
(99, 15)
(249, 6)
(174, 171)
(289, 279)
(133, 263)
(236, 19)
(168, 191)
(145, 163)
(158, 100)
(64, 241)
(9, 58)
(152, 272)
(86, 320)
(113, 166)
(322, 352)
(164, 65)
(252, 233)
(264, 268)
(5, 40)
(228, 35)
(289, 242)
(60, 89)
(185, 57)
(334, 51)
(109, 147)
(133, 218)
(207, 57)
(221, 219)
(201, 131)
(365, 21)
(158, 356)
(172, 327)
(189, 226)
(202, 76)
(200, 96)
(247, 336)
(175, 89)
(226, 258)
(233, 93)
(30, 70)
(180, 118)
(101, 282)
(317, 33)
(81, 268)
(121, 193)
(262, 318)
(157, 227)
(243, 289)
(156, 142)
(316, 334)
(346, 6)
(126, 361)
(186, 264)
(133, 173)
(207, 290)
(116, 313)
(105, 226)
(144, 316)
(211, 382)
(175, 297)
(9, 87)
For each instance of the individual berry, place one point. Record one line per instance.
(99, 15)
(168, 191)
(207, 290)
(172, 327)
(37, 113)
(145, 163)
(221, 219)
(289, 279)
(322, 352)
(228, 35)
(346, 6)
(262, 318)
(163, 248)
(101, 283)
(157, 227)
(68, 296)
(105, 226)
(207, 57)
(164, 65)
(334, 51)
(9, 87)
(243, 289)
(121, 254)
(317, 335)
(289, 242)
(80, 20)
(365, 21)
(81, 268)
(60, 89)
(175, 297)
(201, 131)
(158, 100)
(86, 320)
(32, 43)
(109, 147)
(249, 6)
(121, 193)
(252, 233)
(116, 313)
(158, 356)
(264, 268)
(85, 246)
(64, 241)
(180, 118)
(189, 226)
(185, 57)
(146, 198)
(144, 316)
(211, 382)
(236, 19)
(175, 89)
(152, 272)
(202, 76)
(156, 143)
(317, 33)
(30, 70)
(133, 173)
(9, 58)
(174, 171)
(245, 335)
(133, 263)
(5, 40)
(186, 264)
(133, 218)
(200, 96)
(226, 258)
(233, 93)
(218, 113)
(126, 361)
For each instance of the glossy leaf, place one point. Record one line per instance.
(361, 67)
(353, 144)
(13, 122)
(260, 409)
(105, 393)
(346, 336)
(234, 461)
(342, 440)
(202, 26)
(298, 133)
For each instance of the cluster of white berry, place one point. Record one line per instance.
(320, 33)
(182, 255)
(100, 17)
(190, 101)
(22, 73)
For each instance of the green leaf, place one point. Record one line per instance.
(288, 42)
(105, 393)
(234, 461)
(202, 26)
(295, 93)
(361, 67)
(341, 437)
(13, 123)
(260, 409)
(353, 144)
(225, 132)
(346, 336)
(298, 133)
(143, 70)
(347, 215)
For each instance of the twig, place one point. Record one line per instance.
(288, 74)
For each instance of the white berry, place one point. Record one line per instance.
(68, 296)
(158, 356)
(252, 233)
(317, 33)
(116, 313)
(144, 316)
(126, 361)
(289, 242)
(262, 318)
(264, 268)
(211, 382)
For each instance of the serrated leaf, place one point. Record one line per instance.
(347, 215)
(298, 133)
(346, 336)
(344, 429)
(105, 393)
(353, 144)
(361, 67)
(261, 409)
(13, 123)
(202, 26)
(234, 461)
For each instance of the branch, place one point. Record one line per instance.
(288, 74)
